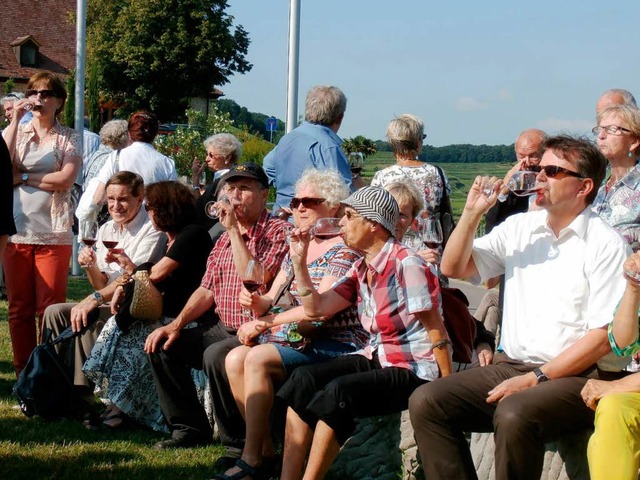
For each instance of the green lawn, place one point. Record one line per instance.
(31, 448)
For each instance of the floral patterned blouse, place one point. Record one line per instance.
(620, 206)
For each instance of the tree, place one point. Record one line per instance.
(157, 54)
(359, 144)
(68, 112)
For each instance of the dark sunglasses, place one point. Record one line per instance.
(148, 208)
(307, 202)
(42, 93)
(553, 171)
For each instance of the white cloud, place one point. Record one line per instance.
(504, 95)
(553, 125)
(470, 104)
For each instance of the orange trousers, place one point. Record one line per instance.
(36, 277)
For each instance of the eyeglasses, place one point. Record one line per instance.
(42, 93)
(351, 215)
(307, 202)
(552, 171)
(148, 208)
(610, 129)
(424, 135)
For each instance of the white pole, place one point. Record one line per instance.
(81, 22)
(292, 79)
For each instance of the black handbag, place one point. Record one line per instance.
(45, 387)
(445, 211)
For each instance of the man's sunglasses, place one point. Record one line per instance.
(307, 202)
(553, 171)
(42, 93)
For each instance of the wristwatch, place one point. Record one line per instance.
(97, 296)
(540, 375)
(25, 177)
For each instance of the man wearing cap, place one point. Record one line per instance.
(398, 298)
(563, 268)
(213, 313)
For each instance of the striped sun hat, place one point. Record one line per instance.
(377, 205)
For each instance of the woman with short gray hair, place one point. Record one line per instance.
(114, 135)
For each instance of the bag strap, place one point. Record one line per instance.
(444, 200)
(283, 288)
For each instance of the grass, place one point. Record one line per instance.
(59, 450)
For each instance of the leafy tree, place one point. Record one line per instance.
(93, 99)
(359, 144)
(157, 54)
(251, 121)
(8, 85)
(69, 110)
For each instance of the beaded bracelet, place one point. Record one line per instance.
(441, 343)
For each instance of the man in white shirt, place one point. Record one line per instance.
(562, 266)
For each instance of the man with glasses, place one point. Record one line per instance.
(562, 266)
(7, 105)
(213, 312)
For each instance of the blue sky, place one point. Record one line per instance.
(475, 72)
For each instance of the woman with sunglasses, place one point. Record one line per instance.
(46, 160)
(618, 199)
(405, 135)
(253, 370)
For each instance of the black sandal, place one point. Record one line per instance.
(246, 470)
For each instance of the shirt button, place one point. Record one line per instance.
(342, 405)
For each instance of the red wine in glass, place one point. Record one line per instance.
(432, 245)
(356, 170)
(89, 242)
(110, 244)
(251, 286)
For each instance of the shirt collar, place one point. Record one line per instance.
(258, 227)
(334, 136)
(578, 225)
(138, 221)
(632, 179)
(380, 261)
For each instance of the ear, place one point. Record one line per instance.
(587, 187)
(634, 147)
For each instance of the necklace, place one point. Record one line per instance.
(612, 181)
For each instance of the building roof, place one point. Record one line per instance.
(50, 25)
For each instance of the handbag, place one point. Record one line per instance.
(445, 211)
(459, 323)
(141, 301)
(286, 334)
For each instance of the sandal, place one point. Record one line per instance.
(246, 470)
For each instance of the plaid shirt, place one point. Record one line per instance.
(267, 242)
(401, 286)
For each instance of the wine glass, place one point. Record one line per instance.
(211, 208)
(523, 183)
(356, 159)
(89, 234)
(252, 279)
(432, 232)
(111, 238)
(325, 228)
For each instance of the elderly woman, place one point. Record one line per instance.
(114, 135)
(405, 135)
(618, 200)
(614, 447)
(254, 370)
(223, 151)
(117, 362)
(46, 161)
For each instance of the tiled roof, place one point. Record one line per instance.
(50, 24)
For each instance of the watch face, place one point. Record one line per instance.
(25, 177)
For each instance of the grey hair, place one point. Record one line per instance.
(626, 95)
(12, 97)
(226, 144)
(628, 113)
(324, 105)
(115, 134)
(406, 191)
(404, 134)
(329, 184)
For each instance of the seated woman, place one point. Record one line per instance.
(117, 362)
(614, 447)
(398, 304)
(253, 370)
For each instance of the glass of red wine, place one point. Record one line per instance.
(111, 238)
(89, 234)
(325, 228)
(431, 233)
(356, 159)
(523, 183)
(252, 279)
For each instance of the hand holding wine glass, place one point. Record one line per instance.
(523, 183)
(212, 208)
(432, 233)
(325, 228)
(252, 279)
(89, 235)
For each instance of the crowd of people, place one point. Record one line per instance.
(301, 327)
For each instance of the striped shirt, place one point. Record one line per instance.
(402, 284)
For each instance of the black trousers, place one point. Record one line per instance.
(176, 391)
(442, 411)
(345, 388)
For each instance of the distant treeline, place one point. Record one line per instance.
(252, 122)
(462, 153)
